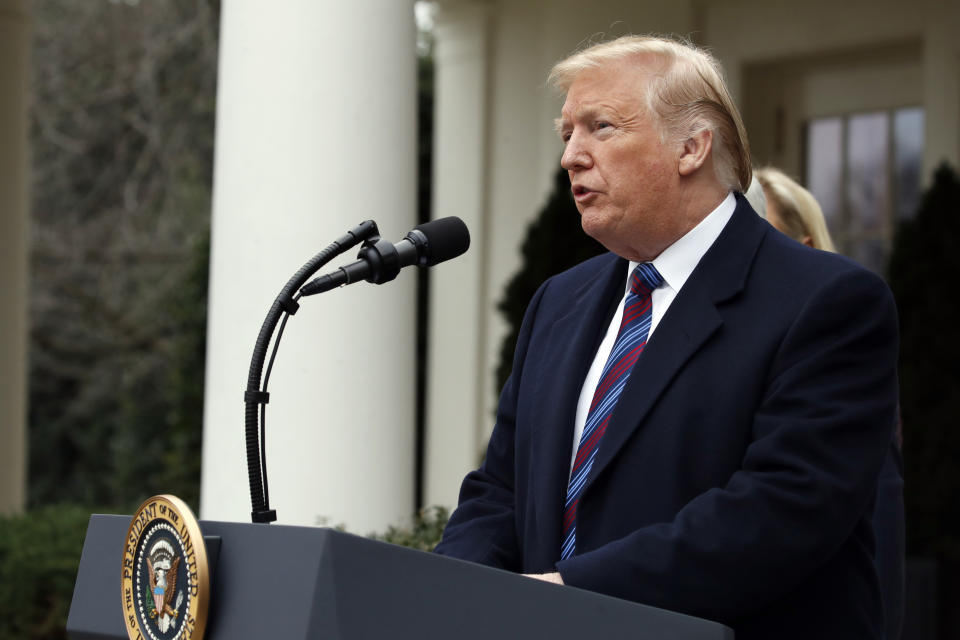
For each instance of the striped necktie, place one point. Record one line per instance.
(631, 339)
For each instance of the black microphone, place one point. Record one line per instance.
(380, 261)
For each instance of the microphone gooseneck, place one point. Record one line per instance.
(254, 397)
(380, 261)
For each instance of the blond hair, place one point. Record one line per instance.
(688, 94)
(798, 209)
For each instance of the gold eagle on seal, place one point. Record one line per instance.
(163, 566)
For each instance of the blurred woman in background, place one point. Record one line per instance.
(793, 210)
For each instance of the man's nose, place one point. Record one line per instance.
(576, 154)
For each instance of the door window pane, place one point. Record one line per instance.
(865, 170)
(867, 184)
(908, 127)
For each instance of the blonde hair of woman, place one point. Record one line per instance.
(793, 210)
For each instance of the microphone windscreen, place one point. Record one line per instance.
(446, 238)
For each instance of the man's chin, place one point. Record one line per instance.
(591, 223)
(597, 228)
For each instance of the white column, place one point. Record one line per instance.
(316, 132)
(14, 205)
(455, 407)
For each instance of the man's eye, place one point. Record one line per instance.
(565, 136)
(601, 124)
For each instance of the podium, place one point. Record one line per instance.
(293, 583)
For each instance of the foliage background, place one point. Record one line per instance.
(39, 556)
(122, 127)
(553, 242)
(122, 124)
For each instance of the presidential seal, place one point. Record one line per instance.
(165, 582)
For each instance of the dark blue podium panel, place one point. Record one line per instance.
(292, 583)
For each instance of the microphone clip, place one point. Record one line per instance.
(382, 261)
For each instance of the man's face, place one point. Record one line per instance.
(624, 178)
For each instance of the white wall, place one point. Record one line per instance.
(14, 243)
(941, 84)
(751, 32)
(781, 96)
(315, 132)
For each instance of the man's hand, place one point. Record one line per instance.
(546, 577)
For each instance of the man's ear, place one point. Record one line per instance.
(696, 150)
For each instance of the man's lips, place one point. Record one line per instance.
(582, 193)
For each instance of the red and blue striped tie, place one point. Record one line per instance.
(631, 339)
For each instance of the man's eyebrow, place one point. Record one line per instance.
(587, 113)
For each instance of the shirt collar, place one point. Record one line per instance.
(677, 262)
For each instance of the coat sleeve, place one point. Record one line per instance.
(483, 527)
(806, 479)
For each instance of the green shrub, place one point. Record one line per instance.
(424, 532)
(924, 271)
(554, 242)
(39, 557)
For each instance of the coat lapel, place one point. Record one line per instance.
(693, 317)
